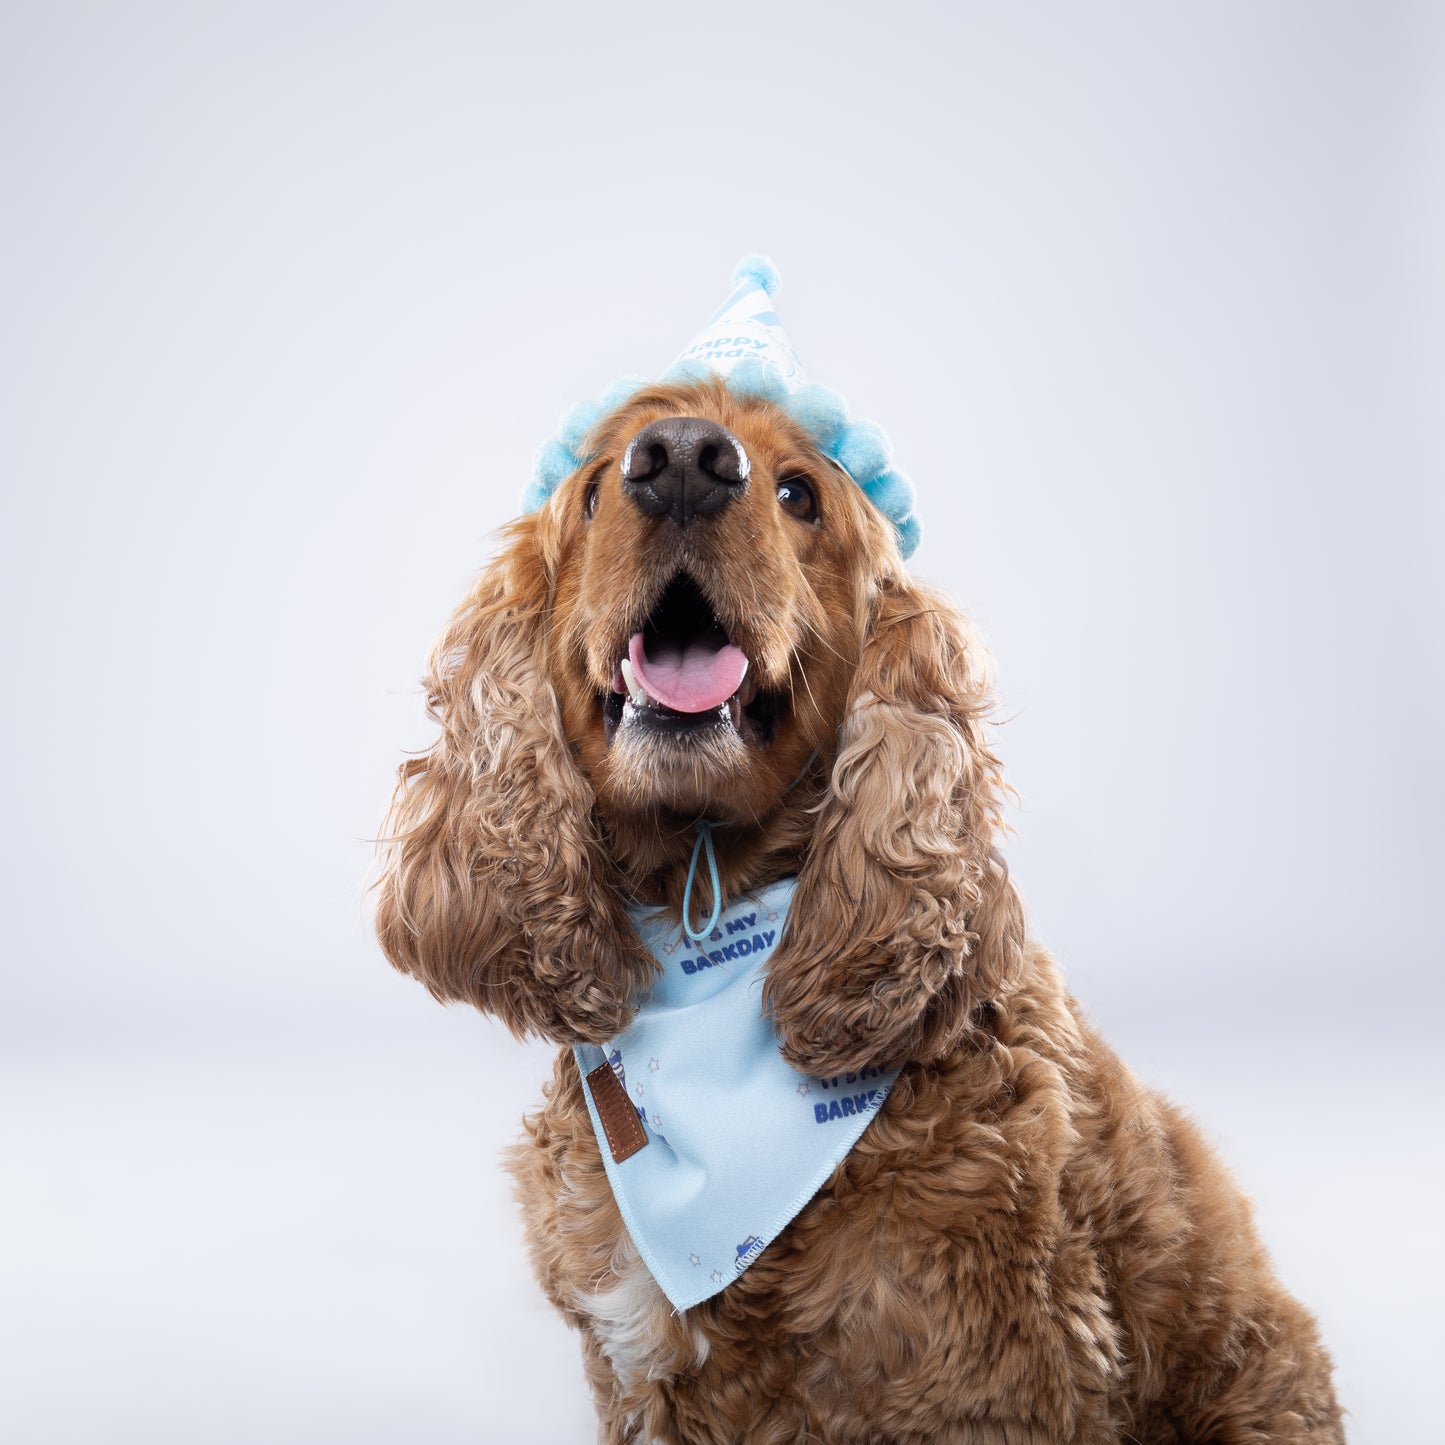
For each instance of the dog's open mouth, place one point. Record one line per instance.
(682, 673)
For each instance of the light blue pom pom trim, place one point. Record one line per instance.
(821, 412)
(572, 429)
(892, 493)
(863, 451)
(559, 456)
(754, 377)
(683, 373)
(861, 448)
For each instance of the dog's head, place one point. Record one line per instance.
(708, 620)
(712, 580)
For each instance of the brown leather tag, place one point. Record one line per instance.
(625, 1134)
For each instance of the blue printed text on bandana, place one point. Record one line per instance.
(738, 1140)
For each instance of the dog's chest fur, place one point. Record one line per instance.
(944, 1257)
(1026, 1245)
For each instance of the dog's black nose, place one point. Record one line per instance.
(684, 467)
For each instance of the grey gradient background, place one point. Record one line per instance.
(1149, 298)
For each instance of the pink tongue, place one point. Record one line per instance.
(695, 678)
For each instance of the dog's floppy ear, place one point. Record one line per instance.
(494, 889)
(904, 919)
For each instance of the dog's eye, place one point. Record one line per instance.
(589, 500)
(796, 498)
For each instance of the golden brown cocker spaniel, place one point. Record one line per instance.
(1026, 1244)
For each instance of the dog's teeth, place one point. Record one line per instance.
(639, 697)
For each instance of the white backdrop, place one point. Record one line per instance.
(1149, 299)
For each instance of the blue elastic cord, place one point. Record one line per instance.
(704, 840)
(704, 837)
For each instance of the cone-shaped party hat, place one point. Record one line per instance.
(744, 343)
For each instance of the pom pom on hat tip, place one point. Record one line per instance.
(759, 269)
(909, 535)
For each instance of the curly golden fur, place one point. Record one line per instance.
(1026, 1245)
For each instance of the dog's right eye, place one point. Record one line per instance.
(796, 498)
(589, 500)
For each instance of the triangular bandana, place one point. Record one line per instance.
(737, 1141)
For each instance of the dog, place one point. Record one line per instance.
(1025, 1244)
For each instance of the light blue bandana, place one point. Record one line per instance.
(736, 1141)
